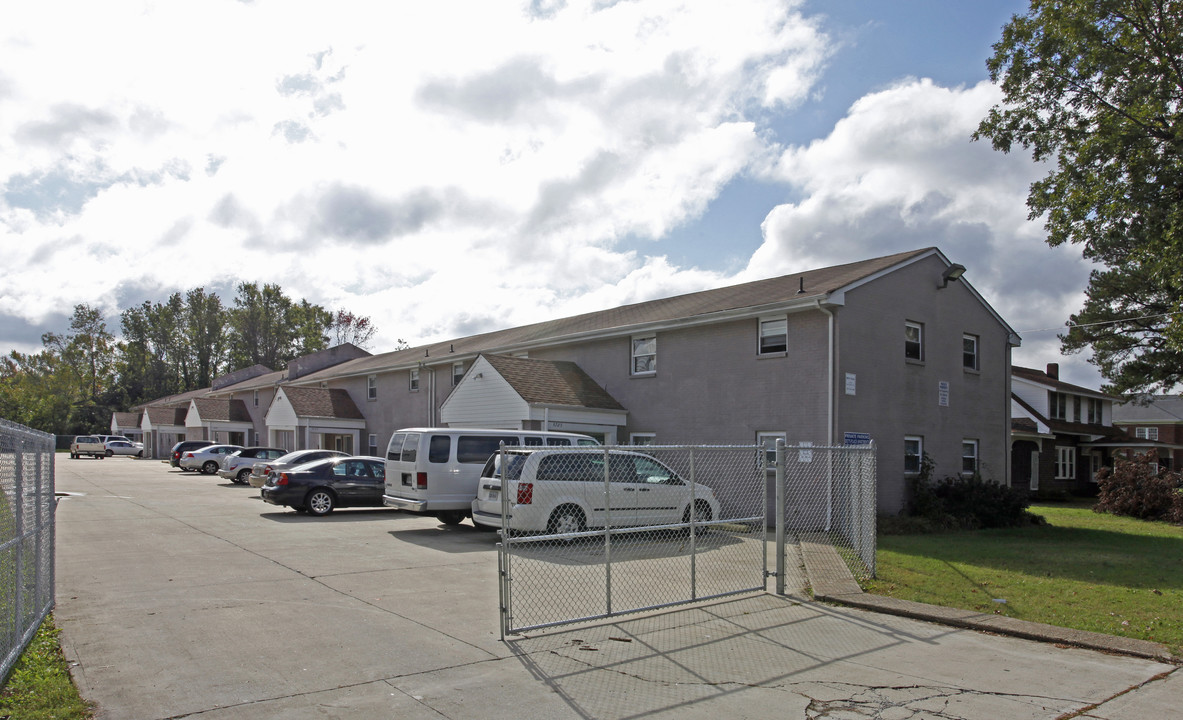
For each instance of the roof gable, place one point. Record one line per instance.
(552, 382)
(322, 403)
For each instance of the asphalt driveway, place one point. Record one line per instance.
(184, 596)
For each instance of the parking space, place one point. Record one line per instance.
(182, 595)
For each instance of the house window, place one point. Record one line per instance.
(969, 352)
(1095, 416)
(457, 373)
(768, 441)
(913, 453)
(913, 341)
(414, 382)
(1057, 405)
(372, 387)
(1065, 463)
(256, 398)
(774, 336)
(373, 445)
(1146, 433)
(645, 355)
(1075, 408)
(969, 457)
(642, 438)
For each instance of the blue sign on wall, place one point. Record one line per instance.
(853, 438)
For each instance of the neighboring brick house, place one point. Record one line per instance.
(1155, 419)
(1061, 434)
(899, 349)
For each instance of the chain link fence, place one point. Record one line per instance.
(590, 533)
(27, 507)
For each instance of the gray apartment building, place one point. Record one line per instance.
(898, 350)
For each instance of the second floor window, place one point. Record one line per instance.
(1095, 414)
(372, 387)
(969, 352)
(413, 382)
(1057, 404)
(774, 336)
(913, 341)
(645, 355)
(457, 373)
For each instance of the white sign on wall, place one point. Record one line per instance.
(850, 381)
(943, 393)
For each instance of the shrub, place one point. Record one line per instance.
(962, 503)
(1138, 488)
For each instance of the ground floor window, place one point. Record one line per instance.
(913, 453)
(969, 457)
(1065, 463)
(641, 438)
(768, 440)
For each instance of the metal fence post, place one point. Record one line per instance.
(608, 531)
(779, 508)
(693, 527)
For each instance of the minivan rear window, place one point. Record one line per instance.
(440, 449)
(477, 448)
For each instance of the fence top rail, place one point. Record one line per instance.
(11, 428)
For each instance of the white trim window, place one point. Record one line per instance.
(969, 457)
(413, 381)
(768, 441)
(642, 438)
(913, 454)
(1057, 404)
(1065, 462)
(457, 373)
(969, 352)
(373, 445)
(644, 355)
(1096, 412)
(774, 336)
(1146, 433)
(256, 398)
(913, 341)
(372, 387)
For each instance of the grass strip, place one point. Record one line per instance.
(39, 687)
(1083, 570)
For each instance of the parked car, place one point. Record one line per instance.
(319, 487)
(434, 471)
(124, 447)
(260, 471)
(91, 445)
(237, 465)
(560, 492)
(174, 456)
(206, 459)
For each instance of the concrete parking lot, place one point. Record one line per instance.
(184, 596)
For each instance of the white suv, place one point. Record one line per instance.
(563, 491)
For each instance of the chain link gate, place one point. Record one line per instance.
(591, 533)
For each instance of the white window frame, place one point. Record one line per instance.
(256, 398)
(413, 381)
(1146, 432)
(372, 387)
(1054, 401)
(974, 456)
(645, 438)
(373, 444)
(768, 439)
(768, 327)
(919, 454)
(457, 373)
(975, 362)
(643, 347)
(1065, 462)
(918, 342)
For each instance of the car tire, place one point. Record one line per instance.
(702, 512)
(140, 454)
(320, 502)
(241, 477)
(209, 467)
(566, 519)
(108, 453)
(451, 517)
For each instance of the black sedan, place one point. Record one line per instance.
(319, 487)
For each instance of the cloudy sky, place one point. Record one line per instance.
(453, 167)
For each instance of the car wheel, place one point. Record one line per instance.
(109, 453)
(566, 519)
(241, 477)
(452, 517)
(702, 512)
(140, 454)
(209, 467)
(320, 502)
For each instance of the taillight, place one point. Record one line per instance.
(266, 470)
(525, 493)
(421, 481)
(282, 480)
(188, 455)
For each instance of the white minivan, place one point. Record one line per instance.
(435, 471)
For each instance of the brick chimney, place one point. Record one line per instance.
(1053, 371)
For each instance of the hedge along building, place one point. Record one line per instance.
(899, 349)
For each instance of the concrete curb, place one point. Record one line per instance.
(832, 582)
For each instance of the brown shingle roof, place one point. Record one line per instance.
(322, 402)
(128, 419)
(552, 382)
(222, 410)
(160, 415)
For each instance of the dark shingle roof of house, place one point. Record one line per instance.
(166, 415)
(800, 287)
(322, 402)
(128, 419)
(1043, 378)
(552, 382)
(221, 410)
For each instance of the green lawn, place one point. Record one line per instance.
(39, 687)
(1082, 570)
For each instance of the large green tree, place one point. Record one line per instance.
(1095, 89)
(270, 329)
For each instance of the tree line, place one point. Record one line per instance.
(78, 379)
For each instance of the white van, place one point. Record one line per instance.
(435, 471)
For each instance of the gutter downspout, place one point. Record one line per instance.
(830, 356)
